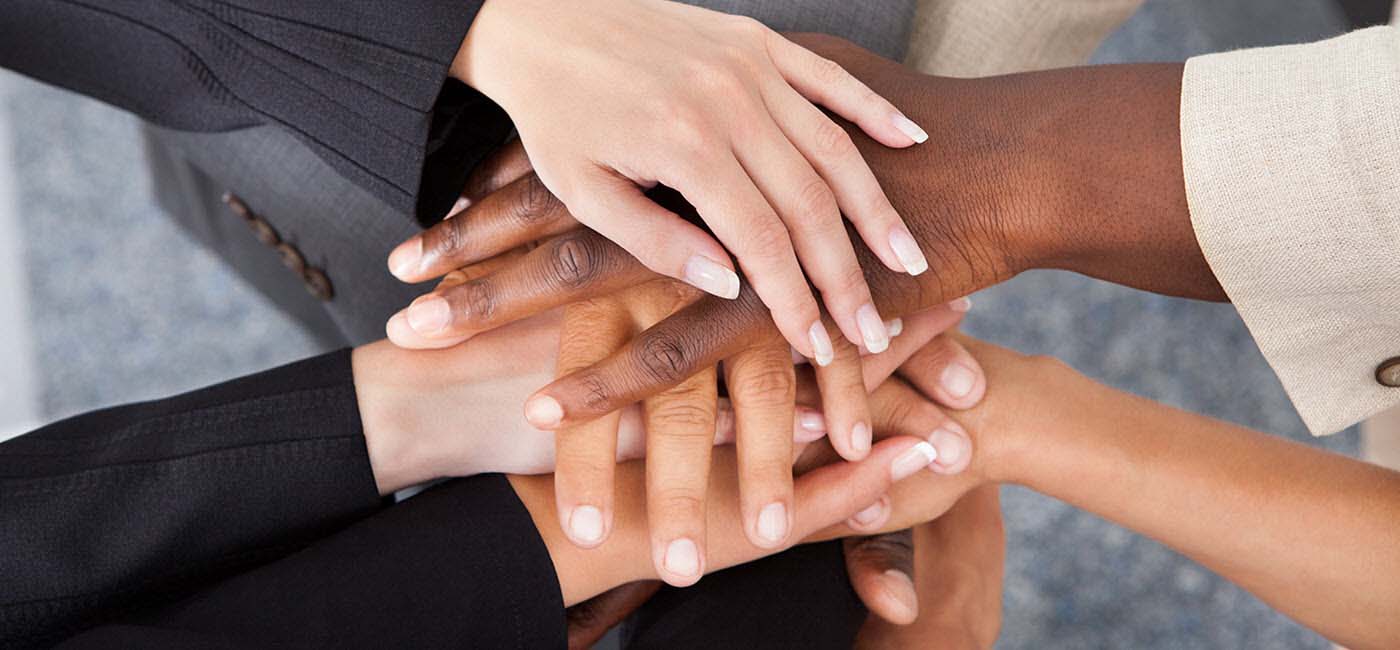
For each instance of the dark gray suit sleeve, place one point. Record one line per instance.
(361, 81)
(122, 508)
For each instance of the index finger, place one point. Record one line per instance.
(663, 356)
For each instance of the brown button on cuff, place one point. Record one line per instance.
(317, 284)
(292, 258)
(314, 279)
(1388, 373)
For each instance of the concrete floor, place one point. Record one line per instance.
(121, 307)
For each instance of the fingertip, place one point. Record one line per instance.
(587, 526)
(543, 412)
(954, 449)
(900, 600)
(406, 259)
(680, 562)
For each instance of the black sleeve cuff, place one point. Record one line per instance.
(131, 505)
(364, 83)
(461, 563)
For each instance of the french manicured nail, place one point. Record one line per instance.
(712, 277)
(543, 412)
(907, 250)
(773, 523)
(682, 558)
(811, 420)
(958, 380)
(961, 304)
(895, 327)
(462, 204)
(429, 315)
(901, 589)
(909, 128)
(872, 329)
(860, 437)
(586, 525)
(404, 260)
(916, 458)
(822, 352)
(871, 514)
(949, 446)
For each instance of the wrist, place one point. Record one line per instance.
(1030, 423)
(397, 452)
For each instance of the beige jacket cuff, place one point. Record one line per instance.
(1292, 164)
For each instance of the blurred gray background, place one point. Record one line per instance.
(103, 301)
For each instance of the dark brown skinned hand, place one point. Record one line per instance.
(1076, 169)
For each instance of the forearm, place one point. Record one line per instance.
(1309, 532)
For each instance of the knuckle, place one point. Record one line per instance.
(750, 27)
(766, 382)
(447, 239)
(833, 141)
(534, 201)
(475, 300)
(717, 76)
(767, 240)
(686, 416)
(576, 259)
(827, 72)
(662, 357)
(850, 280)
(597, 392)
(816, 202)
(678, 502)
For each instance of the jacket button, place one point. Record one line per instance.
(1388, 373)
(291, 258)
(237, 206)
(317, 284)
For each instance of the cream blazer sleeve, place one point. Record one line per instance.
(1292, 162)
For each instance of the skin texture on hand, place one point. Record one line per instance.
(1074, 169)
(629, 94)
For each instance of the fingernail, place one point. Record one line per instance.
(949, 446)
(872, 329)
(909, 128)
(958, 380)
(543, 412)
(821, 344)
(901, 589)
(907, 250)
(895, 327)
(404, 259)
(712, 277)
(462, 204)
(429, 315)
(586, 525)
(916, 458)
(860, 437)
(682, 558)
(961, 304)
(811, 420)
(871, 514)
(773, 523)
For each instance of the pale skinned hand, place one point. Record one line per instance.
(614, 97)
